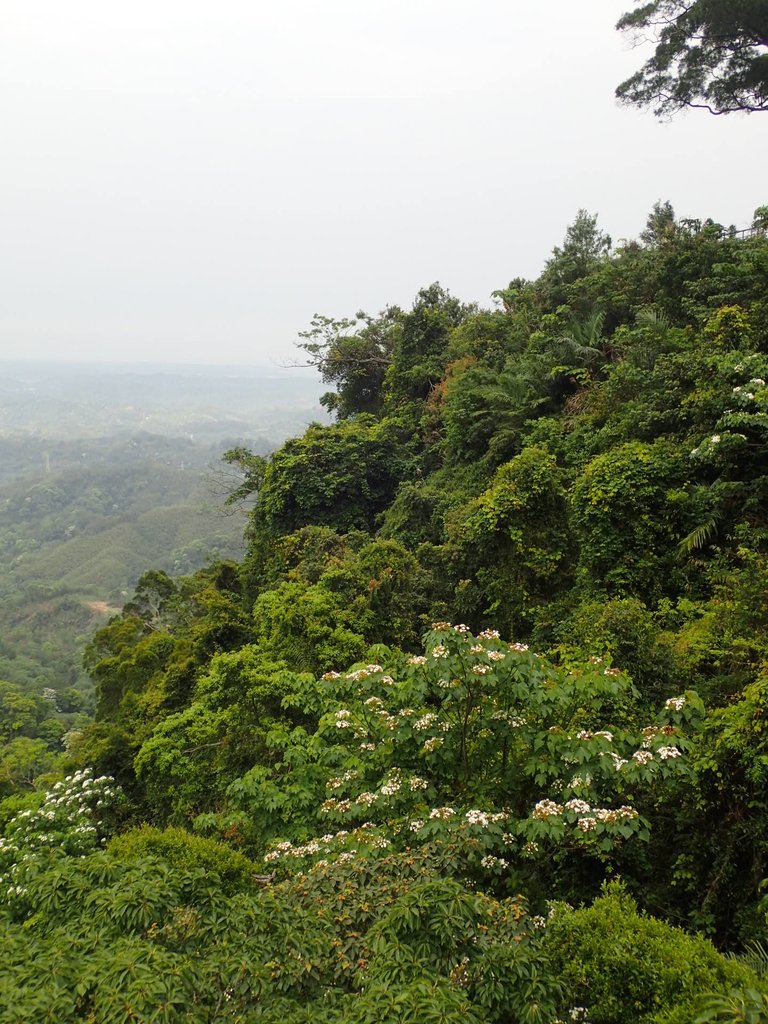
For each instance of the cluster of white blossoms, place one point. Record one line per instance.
(440, 651)
(490, 863)
(481, 670)
(485, 818)
(417, 659)
(516, 721)
(433, 744)
(545, 809)
(668, 753)
(577, 1013)
(441, 813)
(392, 785)
(68, 818)
(363, 673)
(606, 816)
(363, 835)
(397, 781)
(343, 718)
(746, 392)
(577, 806)
(675, 704)
(341, 780)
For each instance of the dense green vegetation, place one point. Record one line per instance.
(476, 729)
(80, 521)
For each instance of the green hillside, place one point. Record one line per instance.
(474, 731)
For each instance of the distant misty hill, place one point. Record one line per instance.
(108, 471)
(202, 403)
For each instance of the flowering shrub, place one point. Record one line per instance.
(479, 744)
(69, 820)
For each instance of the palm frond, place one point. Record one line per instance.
(698, 538)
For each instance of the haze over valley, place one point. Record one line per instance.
(107, 471)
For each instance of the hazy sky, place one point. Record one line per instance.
(184, 180)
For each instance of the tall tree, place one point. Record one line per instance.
(711, 54)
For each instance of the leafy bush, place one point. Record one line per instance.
(627, 968)
(183, 851)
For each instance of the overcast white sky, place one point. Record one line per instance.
(184, 180)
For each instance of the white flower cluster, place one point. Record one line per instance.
(421, 723)
(364, 834)
(363, 673)
(68, 818)
(440, 651)
(578, 781)
(547, 809)
(415, 783)
(606, 816)
(618, 762)
(668, 753)
(485, 818)
(675, 704)
(441, 813)
(337, 783)
(490, 863)
(577, 806)
(642, 756)
(393, 784)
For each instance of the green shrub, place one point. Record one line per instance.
(184, 851)
(627, 968)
